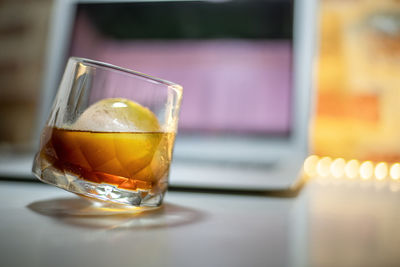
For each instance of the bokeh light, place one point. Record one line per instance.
(337, 167)
(310, 165)
(340, 168)
(366, 170)
(381, 170)
(351, 169)
(323, 166)
(395, 171)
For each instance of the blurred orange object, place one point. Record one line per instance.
(358, 108)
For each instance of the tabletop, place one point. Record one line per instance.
(329, 222)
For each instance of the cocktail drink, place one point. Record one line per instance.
(111, 140)
(127, 160)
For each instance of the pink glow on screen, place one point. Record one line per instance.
(230, 85)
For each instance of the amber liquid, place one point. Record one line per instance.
(128, 160)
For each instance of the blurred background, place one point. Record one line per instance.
(23, 37)
(357, 82)
(104, 32)
(235, 68)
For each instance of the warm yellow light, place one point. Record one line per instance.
(381, 170)
(351, 168)
(323, 166)
(366, 170)
(395, 171)
(337, 167)
(310, 165)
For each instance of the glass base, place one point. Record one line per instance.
(47, 173)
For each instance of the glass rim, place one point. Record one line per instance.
(126, 70)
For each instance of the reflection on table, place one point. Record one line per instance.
(330, 222)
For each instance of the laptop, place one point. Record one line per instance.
(246, 70)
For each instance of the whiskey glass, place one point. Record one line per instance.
(110, 134)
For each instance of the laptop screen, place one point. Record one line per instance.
(233, 58)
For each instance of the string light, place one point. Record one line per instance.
(339, 167)
(323, 166)
(395, 171)
(381, 170)
(351, 168)
(310, 165)
(366, 170)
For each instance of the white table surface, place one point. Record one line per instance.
(329, 223)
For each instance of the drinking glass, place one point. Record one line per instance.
(110, 134)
